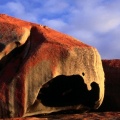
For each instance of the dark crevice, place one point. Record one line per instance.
(67, 91)
(12, 55)
(2, 46)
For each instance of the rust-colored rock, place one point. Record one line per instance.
(83, 116)
(112, 85)
(44, 71)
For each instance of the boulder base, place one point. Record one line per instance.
(44, 71)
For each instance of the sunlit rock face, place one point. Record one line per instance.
(112, 85)
(44, 71)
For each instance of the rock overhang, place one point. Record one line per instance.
(47, 55)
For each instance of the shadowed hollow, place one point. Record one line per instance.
(68, 90)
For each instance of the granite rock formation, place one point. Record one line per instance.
(111, 100)
(44, 71)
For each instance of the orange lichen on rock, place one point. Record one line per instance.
(37, 57)
(17, 43)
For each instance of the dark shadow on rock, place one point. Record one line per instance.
(9, 66)
(12, 55)
(111, 100)
(2, 46)
(67, 91)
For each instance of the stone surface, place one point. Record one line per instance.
(111, 100)
(84, 116)
(44, 71)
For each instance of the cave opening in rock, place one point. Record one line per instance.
(67, 91)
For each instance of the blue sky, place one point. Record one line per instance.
(94, 22)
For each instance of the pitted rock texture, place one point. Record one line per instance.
(111, 100)
(41, 68)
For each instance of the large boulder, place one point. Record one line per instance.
(111, 100)
(44, 71)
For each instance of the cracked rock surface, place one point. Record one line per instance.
(44, 71)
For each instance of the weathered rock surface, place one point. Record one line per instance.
(84, 116)
(111, 100)
(44, 71)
